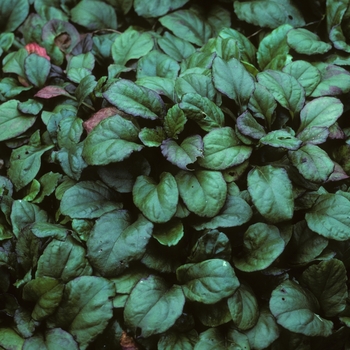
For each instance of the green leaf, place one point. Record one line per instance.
(262, 104)
(249, 126)
(14, 62)
(37, 69)
(170, 233)
(312, 162)
(281, 138)
(30, 107)
(296, 309)
(262, 245)
(94, 15)
(227, 48)
(152, 306)
(9, 339)
(131, 44)
(204, 192)
(320, 112)
(327, 281)
(207, 282)
(334, 80)
(88, 200)
(235, 212)
(205, 112)
(246, 48)
(305, 42)
(157, 64)
(46, 229)
(233, 80)
(135, 100)
(25, 164)
(46, 292)
(12, 122)
(213, 315)
(177, 340)
(13, 14)
(265, 331)
(63, 260)
(112, 140)
(156, 8)
(162, 86)
(175, 47)
(48, 183)
(270, 13)
(86, 308)
(329, 217)
(195, 83)
(9, 87)
(271, 192)
(152, 137)
(184, 154)
(307, 75)
(272, 46)
(212, 339)
(158, 202)
(115, 241)
(284, 88)
(86, 86)
(174, 121)
(121, 176)
(243, 307)
(23, 214)
(55, 338)
(212, 245)
(187, 24)
(305, 244)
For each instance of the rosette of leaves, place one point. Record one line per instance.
(175, 182)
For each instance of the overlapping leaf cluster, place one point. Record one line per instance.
(176, 173)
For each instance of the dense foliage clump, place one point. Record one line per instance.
(174, 175)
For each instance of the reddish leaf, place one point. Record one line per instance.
(100, 115)
(35, 48)
(51, 91)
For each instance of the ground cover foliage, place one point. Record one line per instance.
(174, 175)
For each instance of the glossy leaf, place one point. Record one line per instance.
(157, 202)
(152, 306)
(271, 192)
(329, 217)
(233, 80)
(296, 309)
(262, 245)
(207, 282)
(115, 241)
(204, 192)
(281, 138)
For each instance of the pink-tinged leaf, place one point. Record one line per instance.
(35, 48)
(338, 173)
(103, 113)
(51, 91)
(186, 153)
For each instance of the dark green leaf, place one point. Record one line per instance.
(86, 308)
(270, 13)
(13, 14)
(37, 69)
(174, 121)
(94, 15)
(115, 241)
(157, 202)
(248, 126)
(135, 100)
(156, 8)
(184, 154)
(188, 24)
(204, 192)
(170, 233)
(87, 200)
(232, 79)
(112, 140)
(296, 309)
(329, 217)
(152, 306)
(262, 245)
(271, 192)
(209, 281)
(327, 281)
(177, 340)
